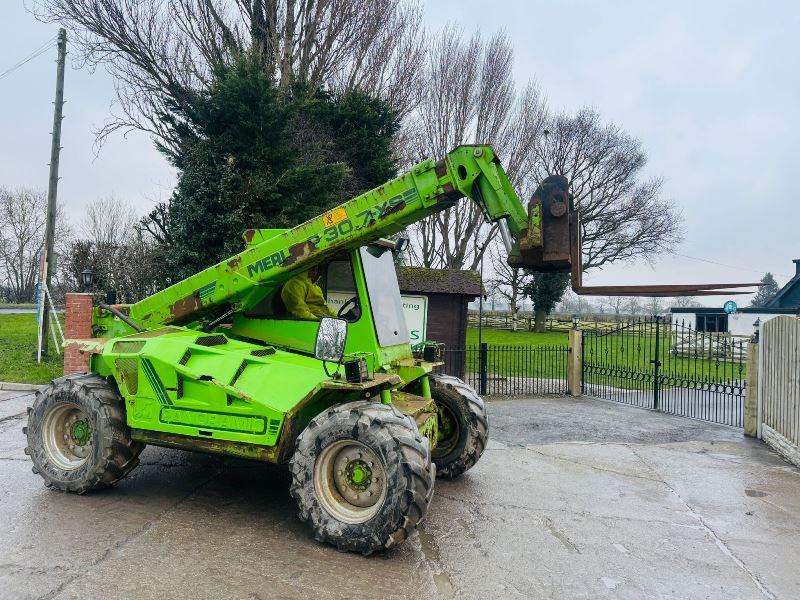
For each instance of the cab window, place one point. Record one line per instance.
(339, 286)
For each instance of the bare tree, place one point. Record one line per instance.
(23, 213)
(108, 222)
(623, 216)
(479, 105)
(654, 306)
(574, 304)
(124, 258)
(633, 306)
(507, 282)
(684, 302)
(161, 53)
(615, 303)
(106, 229)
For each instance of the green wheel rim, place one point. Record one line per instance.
(350, 481)
(67, 436)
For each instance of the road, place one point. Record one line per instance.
(575, 498)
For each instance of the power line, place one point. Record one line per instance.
(36, 53)
(719, 264)
(49, 44)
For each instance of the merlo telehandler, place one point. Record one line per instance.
(215, 363)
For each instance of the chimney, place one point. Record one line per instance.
(796, 262)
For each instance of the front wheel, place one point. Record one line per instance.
(78, 439)
(463, 426)
(362, 476)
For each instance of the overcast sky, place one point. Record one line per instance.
(712, 89)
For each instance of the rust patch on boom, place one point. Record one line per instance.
(185, 306)
(248, 235)
(449, 194)
(298, 252)
(393, 209)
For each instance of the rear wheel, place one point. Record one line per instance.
(362, 476)
(463, 426)
(78, 439)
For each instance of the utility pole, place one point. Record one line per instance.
(52, 191)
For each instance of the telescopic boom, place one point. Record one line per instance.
(544, 238)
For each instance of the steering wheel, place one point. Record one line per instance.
(343, 308)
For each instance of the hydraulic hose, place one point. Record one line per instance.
(122, 317)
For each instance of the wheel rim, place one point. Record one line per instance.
(67, 436)
(449, 432)
(350, 481)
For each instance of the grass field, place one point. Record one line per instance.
(18, 352)
(502, 337)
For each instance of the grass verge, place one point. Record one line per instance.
(18, 352)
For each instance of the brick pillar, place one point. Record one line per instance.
(78, 327)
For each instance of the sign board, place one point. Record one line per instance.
(729, 307)
(415, 309)
(39, 298)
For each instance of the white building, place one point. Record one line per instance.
(741, 322)
(785, 302)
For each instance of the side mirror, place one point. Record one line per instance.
(331, 337)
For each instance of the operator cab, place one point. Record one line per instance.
(361, 287)
(338, 286)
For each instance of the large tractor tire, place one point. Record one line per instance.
(463, 426)
(362, 476)
(77, 435)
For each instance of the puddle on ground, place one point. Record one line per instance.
(442, 581)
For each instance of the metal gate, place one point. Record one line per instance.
(501, 370)
(668, 366)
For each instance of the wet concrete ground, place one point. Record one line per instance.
(573, 499)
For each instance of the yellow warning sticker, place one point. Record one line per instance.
(337, 215)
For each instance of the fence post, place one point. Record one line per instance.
(575, 366)
(656, 362)
(751, 391)
(483, 360)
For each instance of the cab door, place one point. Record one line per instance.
(271, 322)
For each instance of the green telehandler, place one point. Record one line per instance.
(216, 363)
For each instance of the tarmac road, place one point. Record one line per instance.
(575, 498)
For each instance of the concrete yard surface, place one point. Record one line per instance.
(575, 498)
